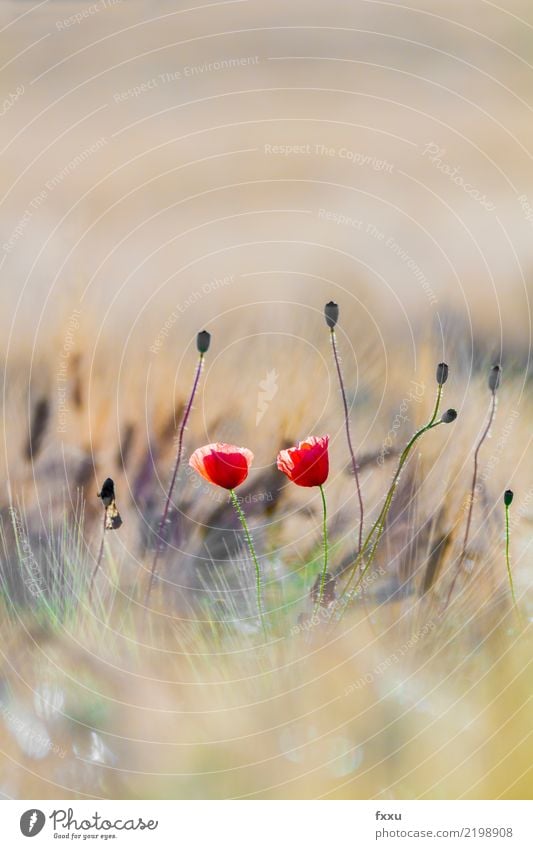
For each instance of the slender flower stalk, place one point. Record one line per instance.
(323, 576)
(202, 343)
(98, 561)
(307, 464)
(375, 534)
(251, 548)
(494, 382)
(331, 312)
(228, 466)
(508, 500)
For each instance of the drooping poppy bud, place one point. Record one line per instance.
(113, 520)
(442, 373)
(331, 314)
(495, 378)
(307, 464)
(508, 497)
(449, 416)
(203, 340)
(107, 493)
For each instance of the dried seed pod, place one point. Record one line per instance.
(495, 378)
(449, 416)
(442, 373)
(331, 314)
(203, 340)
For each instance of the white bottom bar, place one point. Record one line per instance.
(269, 824)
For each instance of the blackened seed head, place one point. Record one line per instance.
(331, 314)
(449, 416)
(508, 497)
(203, 340)
(107, 493)
(495, 378)
(442, 373)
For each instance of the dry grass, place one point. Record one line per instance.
(180, 219)
(396, 702)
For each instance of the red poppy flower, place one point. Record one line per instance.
(222, 464)
(308, 463)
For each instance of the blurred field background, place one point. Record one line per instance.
(167, 167)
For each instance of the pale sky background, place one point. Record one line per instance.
(175, 186)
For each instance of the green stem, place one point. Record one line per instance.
(379, 525)
(251, 547)
(508, 559)
(325, 567)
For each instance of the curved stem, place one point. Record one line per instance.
(161, 537)
(379, 525)
(508, 560)
(252, 550)
(473, 487)
(349, 437)
(325, 536)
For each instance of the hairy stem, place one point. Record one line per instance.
(325, 566)
(98, 560)
(508, 559)
(376, 532)
(251, 547)
(472, 496)
(161, 531)
(349, 437)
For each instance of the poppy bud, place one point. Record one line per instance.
(113, 519)
(508, 497)
(107, 493)
(203, 341)
(331, 313)
(495, 377)
(449, 416)
(442, 373)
